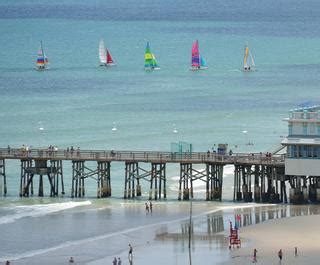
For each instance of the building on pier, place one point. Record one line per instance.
(302, 162)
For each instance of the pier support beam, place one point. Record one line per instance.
(26, 179)
(237, 194)
(185, 182)
(3, 189)
(77, 189)
(298, 191)
(246, 179)
(257, 188)
(55, 173)
(158, 181)
(214, 181)
(314, 189)
(104, 179)
(131, 180)
(274, 196)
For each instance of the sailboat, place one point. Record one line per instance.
(248, 62)
(104, 55)
(197, 61)
(42, 60)
(150, 62)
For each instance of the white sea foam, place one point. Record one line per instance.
(39, 210)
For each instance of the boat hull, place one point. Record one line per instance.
(198, 68)
(150, 69)
(107, 64)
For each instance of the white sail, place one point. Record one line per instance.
(252, 61)
(102, 53)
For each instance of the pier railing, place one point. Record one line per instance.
(139, 156)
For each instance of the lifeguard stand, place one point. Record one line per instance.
(234, 239)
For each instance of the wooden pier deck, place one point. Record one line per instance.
(140, 156)
(266, 171)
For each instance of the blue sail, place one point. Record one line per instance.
(202, 62)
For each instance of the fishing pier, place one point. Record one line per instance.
(257, 177)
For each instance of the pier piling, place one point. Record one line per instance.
(3, 175)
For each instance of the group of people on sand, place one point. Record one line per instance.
(148, 207)
(117, 261)
(280, 255)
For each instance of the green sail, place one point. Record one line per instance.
(150, 61)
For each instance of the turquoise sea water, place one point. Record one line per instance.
(77, 102)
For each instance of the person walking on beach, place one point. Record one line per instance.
(280, 254)
(130, 253)
(295, 251)
(119, 261)
(147, 207)
(71, 260)
(114, 262)
(255, 255)
(150, 204)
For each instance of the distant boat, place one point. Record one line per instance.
(114, 128)
(197, 61)
(248, 62)
(42, 60)
(104, 55)
(150, 62)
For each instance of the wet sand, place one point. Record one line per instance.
(162, 238)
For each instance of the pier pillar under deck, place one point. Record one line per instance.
(3, 175)
(55, 175)
(257, 188)
(214, 181)
(131, 180)
(314, 189)
(264, 183)
(246, 179)
(237, 194)
(26, 178)
(185, 182)
(104, 179)
(298, 190)
(274, 196)
(158, 181)
(78, 189)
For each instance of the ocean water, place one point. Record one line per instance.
(77, 103)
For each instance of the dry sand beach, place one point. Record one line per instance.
(286, 234)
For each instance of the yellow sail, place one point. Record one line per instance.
(246, 54)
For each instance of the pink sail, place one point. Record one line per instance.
(195, 58)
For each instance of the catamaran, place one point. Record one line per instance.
(150, 62)
(248, 62)
(104, 55)
(42, 60)
(197, 61)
